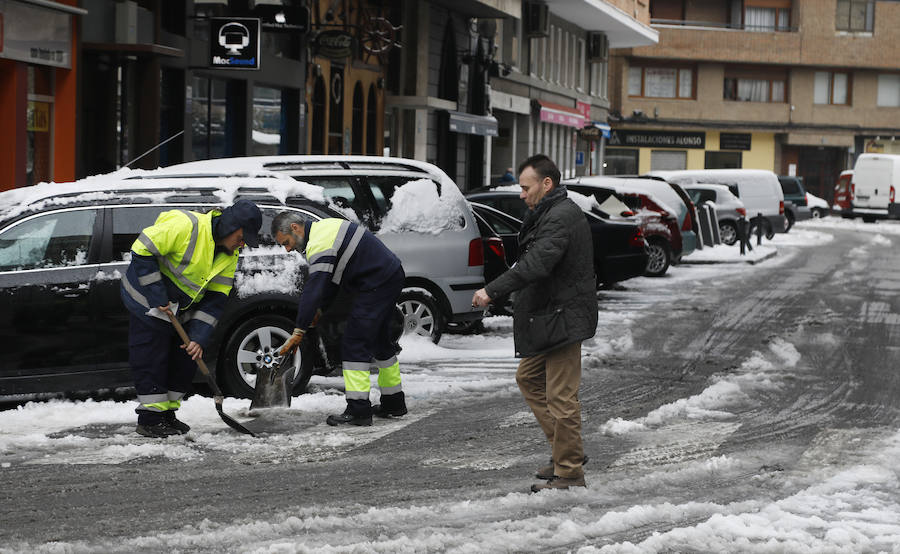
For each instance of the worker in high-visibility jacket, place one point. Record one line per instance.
(183, 265)
(342, 254)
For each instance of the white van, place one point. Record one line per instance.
(758, 189)
(874, 179)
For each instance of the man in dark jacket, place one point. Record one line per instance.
(555, 309)
(342, 254)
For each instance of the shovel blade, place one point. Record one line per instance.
(273, 389)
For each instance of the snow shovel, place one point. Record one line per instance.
(217, 394)
(275, 384)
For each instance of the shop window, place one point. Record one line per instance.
(889, 90)
(210, 127)
(336, 112)
(268, 122)
(356, 131)
(39, 125)
(722, 160)
(371, 122)
(668, 159)
(317, 141)
(620, 161)
(831, 88)
(855, 15)
(661, 82)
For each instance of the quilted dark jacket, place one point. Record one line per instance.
(556, 302)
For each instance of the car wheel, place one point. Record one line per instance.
(868, 219)
(789, 220)
(728, 232)
(421, 314)
(658, 259)
(818, 213)
(253, 346)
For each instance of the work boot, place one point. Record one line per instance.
(159, 430)
(392, 405)
(349, 418)
(175, 423)
(561, 483)
(549, 471)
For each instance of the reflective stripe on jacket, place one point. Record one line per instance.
(341, 254)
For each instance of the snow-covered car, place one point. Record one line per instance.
(619, 246)
(64, 248)
(729, 208)
(412, 206)
(818, 206)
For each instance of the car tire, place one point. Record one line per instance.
(818, 213)
(729, 233)
(789, 221)
(421, 314)
(246, 350)
(868, 219)
(658, 259)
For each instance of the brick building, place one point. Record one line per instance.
(792, 86)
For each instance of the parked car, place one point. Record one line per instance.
(795, 206)
(412, 206)
(659, 224)
(817, 206)
(875, 177)
(729, 208)
(64, 249)
(496, 260)
(619, 246)
(843, 194)
(758, 189)
(671, 197)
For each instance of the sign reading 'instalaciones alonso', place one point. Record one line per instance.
(669, 139)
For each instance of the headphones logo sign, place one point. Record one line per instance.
(234, 43)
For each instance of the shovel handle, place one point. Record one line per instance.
(200, 363)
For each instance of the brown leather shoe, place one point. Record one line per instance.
(562, 483)
(548, 471)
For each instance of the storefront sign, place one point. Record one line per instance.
(38, 117)
(734, 141)
(336, 45)
(560, 115)
(234, 43)
(35, 35)
(665, 139)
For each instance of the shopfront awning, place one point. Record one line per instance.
(471, 124)
(604, 128)
(560, 115)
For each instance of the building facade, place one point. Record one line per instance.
(798, 88)
(481, 85)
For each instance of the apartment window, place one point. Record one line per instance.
(889, 90)
(598, 79)
(855, 15)
(581, 65)
(661, 82)
(754, 90)
(831, 88)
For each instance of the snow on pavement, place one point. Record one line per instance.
(851, 506)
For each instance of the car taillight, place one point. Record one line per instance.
(637, 239)
(688, 224)
(781, 208)
(495, 245)
(852, 191)
(892, 194)
(476, 252)
(742, 211)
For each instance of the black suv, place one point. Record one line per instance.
(64, 249)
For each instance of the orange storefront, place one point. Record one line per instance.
(38, 91)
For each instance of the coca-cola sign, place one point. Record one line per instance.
(334, 44)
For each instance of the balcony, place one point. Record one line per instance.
(657, 22)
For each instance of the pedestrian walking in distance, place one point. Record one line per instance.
(345, 255)
(554, 310)
(183, 265)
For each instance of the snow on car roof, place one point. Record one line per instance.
(659, 191)
(719, 176)
(153, 185)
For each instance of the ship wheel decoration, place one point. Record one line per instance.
(378, 36)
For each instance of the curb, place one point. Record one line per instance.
(754, 261)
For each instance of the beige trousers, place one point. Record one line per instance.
(549, 383)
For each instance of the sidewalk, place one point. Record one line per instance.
(722, 254)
